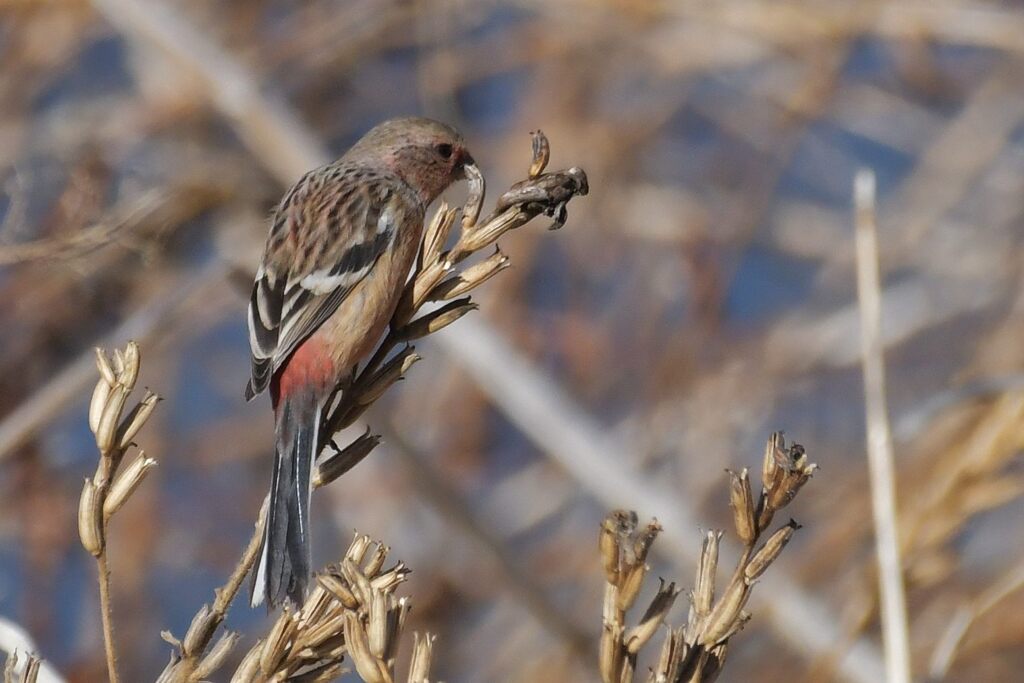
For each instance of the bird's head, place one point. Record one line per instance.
(426, 154)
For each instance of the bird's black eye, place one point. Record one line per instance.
(444, 149)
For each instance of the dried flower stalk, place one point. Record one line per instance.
(111, 486)
(696, 651)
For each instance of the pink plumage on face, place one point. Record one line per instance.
(426, 154)
(341, 244)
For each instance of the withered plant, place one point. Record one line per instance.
(695, 652)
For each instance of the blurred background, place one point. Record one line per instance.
(702, 296)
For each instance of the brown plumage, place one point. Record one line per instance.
(341, 244)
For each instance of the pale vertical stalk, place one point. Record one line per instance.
(879, 437)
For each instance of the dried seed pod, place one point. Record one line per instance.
(724, 615)
(126, 483)
(422, 653)
(342, 460)
(541, 153)
(135, 419)
(769, 551)
(199, 631)
(390, 579)
(130, 360)
(707, 567)
(334, 585)
(475, 200)
(645, 539)
(608, 544)
(437, 320)
(437, 233)
(640, 634)
(367, 666)
(106, 431)
(382, 380)
(104, 367)
(377, 631)
(741, 500)
(358, 547)
(90, 518)
(471, 278)
(278, 640)
(215, 659)
(100, 395)
(249, 669)
(630, 583)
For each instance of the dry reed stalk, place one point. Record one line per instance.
(881, 464)
(114, 427)
(696, 651)
(434, 279)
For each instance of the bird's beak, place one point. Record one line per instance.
(462, 160)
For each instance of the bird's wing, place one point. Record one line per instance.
(326, 236)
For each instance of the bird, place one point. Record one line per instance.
(341, 244)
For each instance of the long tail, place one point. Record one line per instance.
(284, 566)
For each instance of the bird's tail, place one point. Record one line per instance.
(284, 566)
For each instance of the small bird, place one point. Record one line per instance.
(341, 245)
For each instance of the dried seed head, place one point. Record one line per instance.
(769, 551)
(376, 561)
(436, 320)
(422, 653)
(741, 499)
(134, 421)
(90, 518)
(541, 153)
(126, 483)
(707, 568)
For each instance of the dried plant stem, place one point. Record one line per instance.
(107, 616)
(879, 437)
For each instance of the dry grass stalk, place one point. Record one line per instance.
(881, 465)
(695, 652)
(114, 426)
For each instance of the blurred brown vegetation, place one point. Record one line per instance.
(701, 296)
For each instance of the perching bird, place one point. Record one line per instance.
(341, 245)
